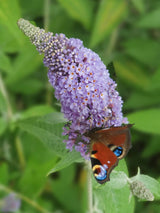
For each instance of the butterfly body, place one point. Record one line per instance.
(108, 147)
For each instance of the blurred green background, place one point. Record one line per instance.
(126, 35)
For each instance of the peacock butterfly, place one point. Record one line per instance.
(108, 147)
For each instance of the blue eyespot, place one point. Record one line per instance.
(118, 151)
(103, 174)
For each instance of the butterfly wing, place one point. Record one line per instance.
(115, 137)
(103, 160)
(108, 147)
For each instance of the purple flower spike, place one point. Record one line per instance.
(82, 84)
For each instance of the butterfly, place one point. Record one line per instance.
(109, 145)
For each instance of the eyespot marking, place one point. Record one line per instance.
(118, 151)
(100, 172)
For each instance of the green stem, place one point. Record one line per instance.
(46, 14)
(5, 95)
(24, 198)
(20, 152)
(112, 42)
(9, 117)
(89, 182)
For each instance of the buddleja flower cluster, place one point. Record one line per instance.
(82, 85)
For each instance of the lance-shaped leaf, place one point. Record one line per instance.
(109, 16)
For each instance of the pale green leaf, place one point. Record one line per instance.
(47, 129)
(146, 120)
(38, 110)
(114, 195)
(110, 14)
(67, 160)
(150, 183)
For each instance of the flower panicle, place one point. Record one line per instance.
(37, 36)
(141, 191)
(82, 84)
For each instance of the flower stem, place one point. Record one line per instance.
(9, 117)
(89, 182)
(46, 14)
(24, 198)
(112, 43)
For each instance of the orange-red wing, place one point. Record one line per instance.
(103, 158)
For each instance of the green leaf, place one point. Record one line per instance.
(65, 22)
(139, 5)
(32, 186)
(26, 63)
(139, 100)
(3, 125)
(146, 120)
(28, 87)
(151, 149)
(150, 20)
(80, 10)
(143, 50)
(154, 85)
(32, 8)
(3, 103)
(33, 178)
(110, 15)
(131, 73)
(38, 110)
(5, 63)
(47, 129)
(114, 200)
(9, 14)
(7, 42)
(4, 178)
(66, 192)
(114, 195)
(67, 160)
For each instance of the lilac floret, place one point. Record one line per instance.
(82, 84)
(10, 203)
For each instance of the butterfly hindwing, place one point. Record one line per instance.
(103, 160)
(108, 147)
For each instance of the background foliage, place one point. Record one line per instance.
(127, 37)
